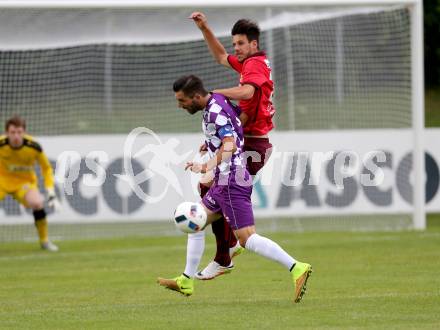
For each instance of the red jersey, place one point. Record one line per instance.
(256, 71)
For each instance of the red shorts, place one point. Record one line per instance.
(257, 151)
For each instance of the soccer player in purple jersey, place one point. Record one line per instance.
(230, 193)
(254, 94)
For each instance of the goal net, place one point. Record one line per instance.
(344, 79)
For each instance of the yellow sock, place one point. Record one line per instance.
(41, 225)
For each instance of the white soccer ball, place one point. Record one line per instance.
(190, 217)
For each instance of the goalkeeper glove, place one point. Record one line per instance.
(52, 200)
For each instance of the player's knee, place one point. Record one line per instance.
(244, 233)
(39, 214)
(34, 200)
(36, 204)
(242, 240)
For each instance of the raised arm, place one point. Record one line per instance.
(215, 47)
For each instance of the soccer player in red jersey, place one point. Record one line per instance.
(254, 93)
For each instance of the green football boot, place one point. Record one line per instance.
(181, 284)
(300, 275)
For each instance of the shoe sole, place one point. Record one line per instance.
(171, 285)
(213, 277)
(304, 285)
(52, 248)
(227, 271)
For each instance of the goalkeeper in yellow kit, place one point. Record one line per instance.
(18, 155)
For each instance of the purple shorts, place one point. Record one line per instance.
(234, 201)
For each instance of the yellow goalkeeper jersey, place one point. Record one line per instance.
(17, 166)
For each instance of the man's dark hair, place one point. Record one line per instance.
(16, 121)
(190, 85)
(248, 28)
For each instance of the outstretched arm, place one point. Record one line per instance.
(215, 47)
(243, 92)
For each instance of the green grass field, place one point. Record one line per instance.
(388, 280)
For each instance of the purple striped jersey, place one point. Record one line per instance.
(221, 119)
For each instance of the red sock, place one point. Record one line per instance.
(224, 236)
(225, 239)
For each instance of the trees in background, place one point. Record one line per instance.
(432, 42)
